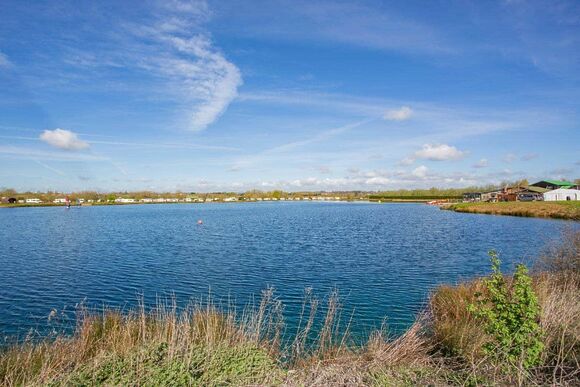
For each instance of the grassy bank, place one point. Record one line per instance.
(559, 210)
(205, 345)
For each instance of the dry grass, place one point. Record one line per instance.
(204, 345)
(455, 330)
(194, 343)
(556, 282)
(562, 255)
(559, 210)
(460, 336)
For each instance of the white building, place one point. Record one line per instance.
(33, 201)
(562, 194)
(59, 201)
(124, 200)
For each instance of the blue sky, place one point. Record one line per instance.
(295, 95)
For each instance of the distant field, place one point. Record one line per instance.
(560, 210)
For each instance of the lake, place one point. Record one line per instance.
(383, 258)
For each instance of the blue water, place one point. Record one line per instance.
(383, 258)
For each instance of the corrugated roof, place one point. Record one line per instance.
(537, 189)
(559, 182)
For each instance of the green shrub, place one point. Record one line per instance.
(510, 315)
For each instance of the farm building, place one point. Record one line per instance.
(553, 184)
(472, 196)
(490, 196)
(562, 194)
(522, 193)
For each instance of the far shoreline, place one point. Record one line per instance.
(40, 205)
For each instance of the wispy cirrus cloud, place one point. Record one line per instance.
(213, 79)
(174, 55)
(357, 24)
(28, 153)
(138, 145)
(4, 62)
(176, 46)
(55, 170)
(512, 157)
(291, 146)
(63, 139)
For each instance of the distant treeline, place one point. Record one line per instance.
(413, 197)
(429, 194)
(400, 194)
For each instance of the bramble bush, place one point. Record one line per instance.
(510, 313)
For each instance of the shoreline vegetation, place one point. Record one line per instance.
(515, 329)
(390, 200)
(558, 210)
(40, 199)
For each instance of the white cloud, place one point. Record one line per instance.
(377, 181)
(4, 62)
(510, 158)
(197, 9)
(406, 161)
(63, 139)
(483, 163)
(420, 172)
(529, 156)
(440, 152)
(401, 114)
(420, 177)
